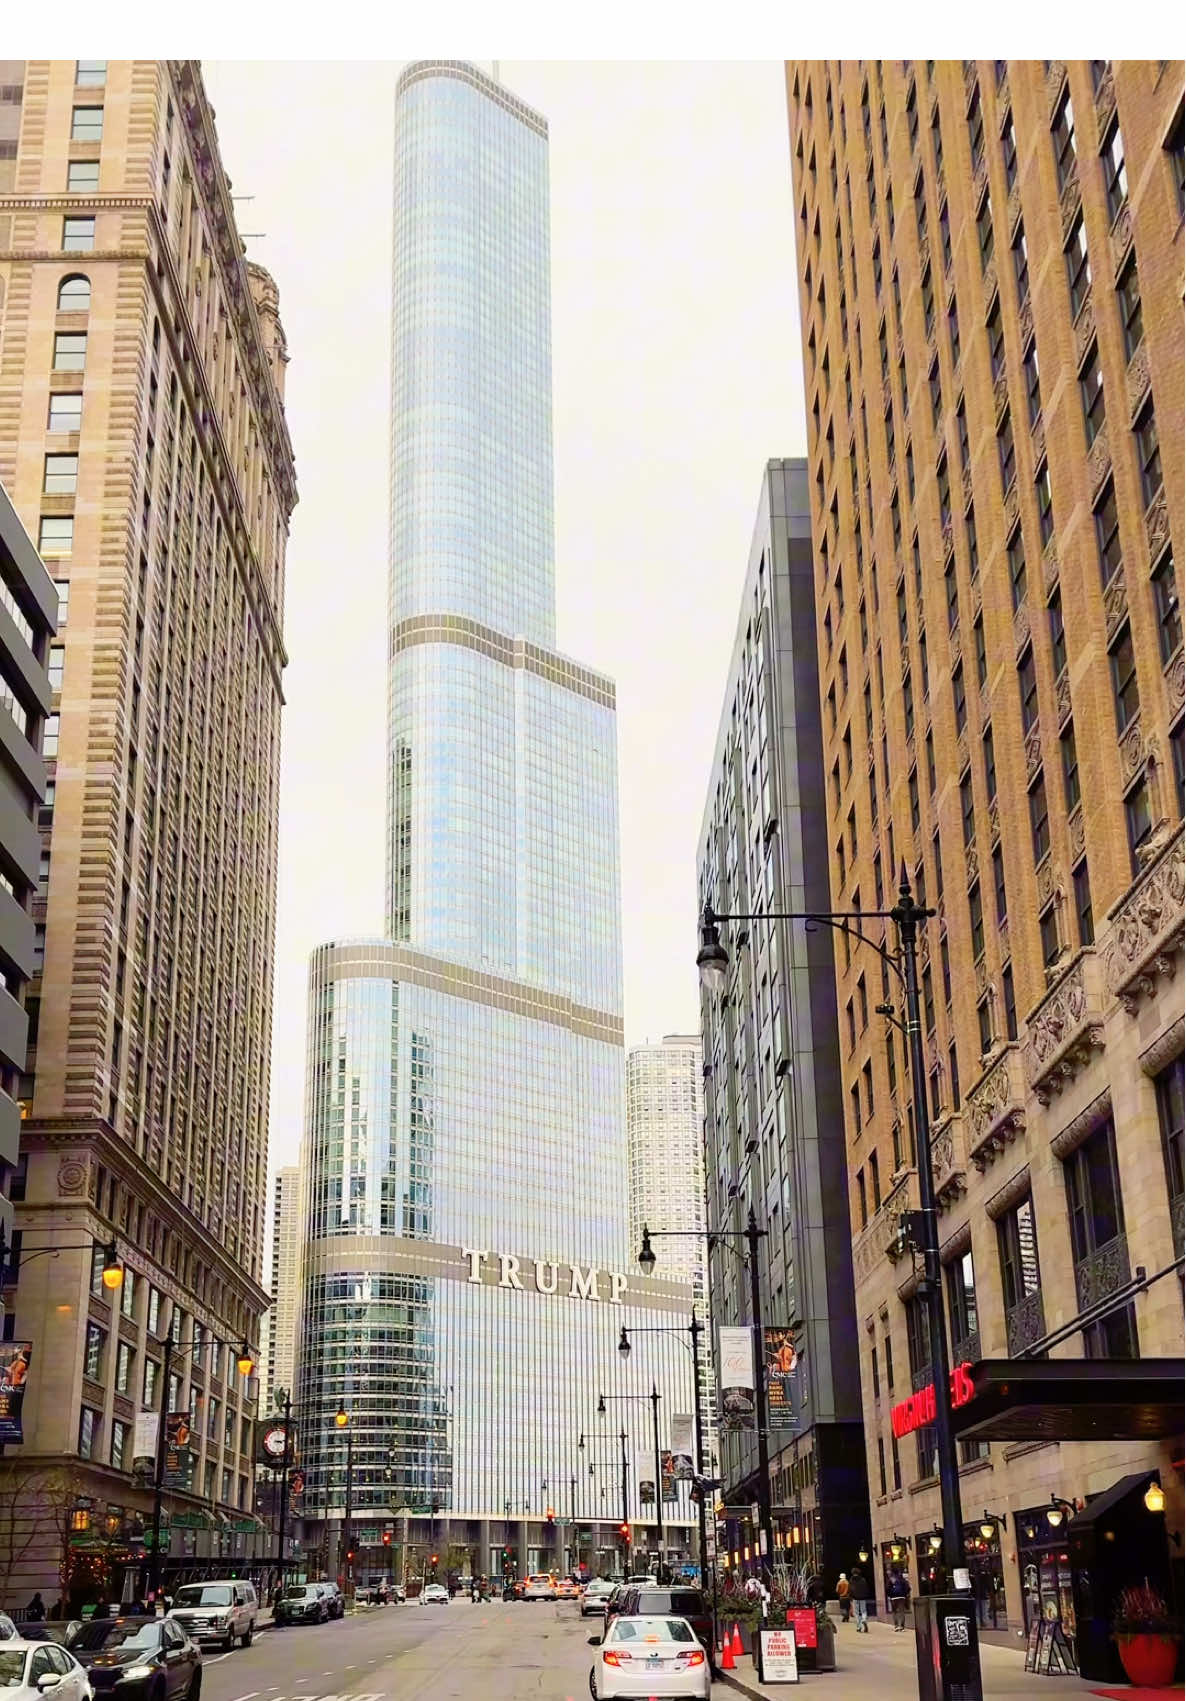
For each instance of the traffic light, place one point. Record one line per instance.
(386, 1538)
(624, 1532)
(551, 1516)
(350, 1554)
(432, 1559)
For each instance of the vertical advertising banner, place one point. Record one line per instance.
(738, 1409)
(681, 1446)
(144, 1446)
(782, 1362)
(15, 1357)
(179, 1458)
(646, 1492)
(667, 1465)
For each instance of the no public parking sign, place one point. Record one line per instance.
(778, 1660)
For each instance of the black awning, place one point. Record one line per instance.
(1101, 1504)
(1072, 1399)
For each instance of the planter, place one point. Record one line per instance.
(826, 1652)
(1149, 1659)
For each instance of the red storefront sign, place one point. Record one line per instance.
(919, 1409)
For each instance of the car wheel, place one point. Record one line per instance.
(195, 1687)
(592, 1684)
(229, 1640)
(245, 1639)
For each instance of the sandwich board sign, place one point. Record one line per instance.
(777, 1658)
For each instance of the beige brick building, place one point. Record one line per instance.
(990, 268)
(143, 442)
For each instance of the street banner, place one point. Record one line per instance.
(738, 1410)
(782, 1363)
(145, 1438)
(646, 1492)
(179, 1458)
(15, 1357)
(667, 1465)
(681, 1445)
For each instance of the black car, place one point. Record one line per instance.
(334, 1599)
(648, 1600)
(301, 1603)
(139, 1659)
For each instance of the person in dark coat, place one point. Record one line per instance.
(35, 1611)
(858, 1585)
(899, 1598)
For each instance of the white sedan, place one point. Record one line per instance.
(650, 1657)
(434, 1594)
(30, 1670)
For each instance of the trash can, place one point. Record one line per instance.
(947, 1648)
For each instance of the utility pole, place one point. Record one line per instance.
(766, 1532)
(654, 1399)
(625, 1509)
(158, 1478)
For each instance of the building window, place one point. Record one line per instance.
(65, 413)
(984, 1020)
(1173, 147)
(82, 176)
(1009, 151)
(1091, 393)
(152, 1371)
(943, 480)
(998, 882)
(1028, 685)
(928, 998)
(996, 341)
(86, 124)
(967, 808)
(124, 1360)
(1058, 639)
(1097, 1219)
(78, 234)
(61, 475)
(1021, 266)
(961, 1308)
(976, 920)
(1078, 266)
(49, 736)
(1128, 293)
(862, 1201)
(1033, 392)
(973, 546)
(1107, 534)
(74, 294)
(56, 667)
(1115, 176)
(88, 1433)
(875, 1179)
(69, 351)
(935, 385)
(1167, 606)
(1148, 454)
(1039, 818)
(1017, 1242)
(1168, 1086)
(1138, 821)
(1070, 766)
(90, 73)
(1045, 504)
(984, 234)
(96, 1340)
(953, 331)
(1084, 920)
(1124, 678)
(1048, 934)
(915, 810)
(120, 1437)
(1017, 581)
(1006, 452)
(959, 697)
(56, 535)
(976, 129)
(1063, 132)
(990, 764)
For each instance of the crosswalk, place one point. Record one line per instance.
(351, 1695)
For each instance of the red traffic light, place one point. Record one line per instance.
(433, 1559)
(386, 1538)
(624, 1531)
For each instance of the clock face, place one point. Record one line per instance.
(274, 1439)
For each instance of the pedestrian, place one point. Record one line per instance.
(859, 1590)
(899, 1598)
(844, 1597)
(35, 1611)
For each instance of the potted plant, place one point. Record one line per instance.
(1146, 1637)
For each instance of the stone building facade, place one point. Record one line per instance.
(143, 442)
(990, 263)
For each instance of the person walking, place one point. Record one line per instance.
(35, 1611)
(844, 1597)
(899, 1598)
(859, 1590)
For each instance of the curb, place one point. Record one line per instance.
(734, 1682)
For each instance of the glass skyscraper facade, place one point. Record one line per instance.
(468, 1267)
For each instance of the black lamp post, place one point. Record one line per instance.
(342, 1421)
(712, 959)
(654, 1397)
(695, 1329)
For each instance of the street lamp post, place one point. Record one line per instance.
(695, 1329)
(654, 1397)
(342, 1421)
(712, 959)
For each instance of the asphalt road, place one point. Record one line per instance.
(495, 1652)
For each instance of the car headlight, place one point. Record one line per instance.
(136, 1672)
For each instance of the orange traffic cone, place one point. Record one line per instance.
(727, 1660)
(737, 1648)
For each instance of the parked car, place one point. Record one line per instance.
(29, 1667)
(218, 1611)
(643, 1600)
(301, 1603)
(595, 1596)
(539, 1588)
(653, 1656)
(434, 1594)
(566, 1590)
(334, 1599)
(139, 1659)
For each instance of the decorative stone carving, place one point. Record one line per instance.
(1132, 750)
(1049, 567)
(972, 861)
(1025, 320)
(981, 975)
(1056, 76)
(1025, 1322)
(990, 285)
(969, 80)
(1012, 1193)
(1038, 439)
(1011, 502)
(924, 251)
(1175, 681)
(966, 486)
(1146, 936)
(1021, 626)
(979, 178)
(994, 820)
(996, 1110)
(1105, 100)
(1014, 208)
(1099, 461)
(1075, 830)
(1033, 752)
(1084, 329)
(73, 1174)
(948, 540)
(1000, 395)
(1070, 1137)
(1045, 873)
(1069, 201)
(1063, 1034)
(1121, 238)
(1003, 938)
(924, 948)
(1138, 379)
(1157, 525)
(1115, 601)
(1002, 102)
(1062, 696)
(1165, 1048)
(961, 750)
(1102, 1272)
(947, 1165)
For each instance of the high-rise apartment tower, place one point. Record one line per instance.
(279, 1364)
(143, 443)
(990, 264)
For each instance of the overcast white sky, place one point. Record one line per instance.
(676, 375)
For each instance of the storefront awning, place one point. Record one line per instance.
(1072, 1399)
(1102, 1504)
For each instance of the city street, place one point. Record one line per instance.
(515, 1653)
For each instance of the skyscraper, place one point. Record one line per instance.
(143, 444)
(279, 1357)
(464, 1147)
(990, 258)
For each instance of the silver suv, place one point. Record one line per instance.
(218, 1611)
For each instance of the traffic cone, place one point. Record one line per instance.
(737, 1648)
(727, 1661)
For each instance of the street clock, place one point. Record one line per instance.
(275, 1440)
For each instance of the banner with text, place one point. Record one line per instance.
(179, 1458)
(646, 1492)
(15, 1357)
(738, 1410)
(145, 1436)
(667, 1464)
(782, 1363)
(681, 1445)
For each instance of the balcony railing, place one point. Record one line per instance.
(1146, 931)
(1065, 1031)
(1102, 1272)
(1025, 1323)
(967, 1349)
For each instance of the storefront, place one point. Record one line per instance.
(1044, 1561)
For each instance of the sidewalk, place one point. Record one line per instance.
(883, 1664)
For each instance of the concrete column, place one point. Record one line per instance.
(486, 1541)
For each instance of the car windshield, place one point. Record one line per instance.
(12, 1667)
(651, 1630)
(203, 1594)
(117, 1633)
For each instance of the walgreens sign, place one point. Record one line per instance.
(919, 1409)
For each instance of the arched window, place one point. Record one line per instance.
(74, 294)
